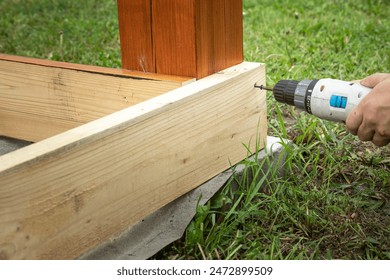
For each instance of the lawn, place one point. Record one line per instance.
(333, 201)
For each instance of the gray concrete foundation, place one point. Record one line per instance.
(8, 145)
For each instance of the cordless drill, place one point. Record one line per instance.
(328, 99)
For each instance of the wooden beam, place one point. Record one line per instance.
(41, 98)
(219, 31)
(135, 22)
(174, 37)
(193, 38)
(66, 194)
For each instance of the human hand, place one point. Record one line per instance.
(370, 120)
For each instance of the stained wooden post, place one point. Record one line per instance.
(194, 38)
(135, 30)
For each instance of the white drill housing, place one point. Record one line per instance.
(334, 99)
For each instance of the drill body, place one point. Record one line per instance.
(328, 99)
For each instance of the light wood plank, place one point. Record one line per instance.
(66, 194)
(96, 69)
(39, 98)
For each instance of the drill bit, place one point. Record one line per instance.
(264, 87)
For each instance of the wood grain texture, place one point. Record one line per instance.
(40, 100)
(234, 48)
(193, 38)
(211, 32)
(96, 69)
(174, 38)
(135, 30)
(219, 35)
(66, 194)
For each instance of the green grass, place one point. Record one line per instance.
(74, 31)
(333, 201)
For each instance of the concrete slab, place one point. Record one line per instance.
(8, 145)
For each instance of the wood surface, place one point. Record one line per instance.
(219, 35)
(234, 32)
(135, 22)
(174, 37)
(96, 69)
(66, 194)
(193, 38)
(40, 98)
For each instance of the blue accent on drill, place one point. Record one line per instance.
(338, 101)
(344, 102)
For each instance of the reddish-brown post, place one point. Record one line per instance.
(194, 38)
(135, 30)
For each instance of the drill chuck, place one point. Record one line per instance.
(284, 91)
